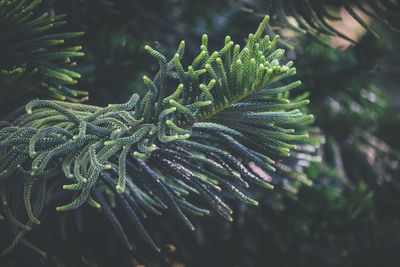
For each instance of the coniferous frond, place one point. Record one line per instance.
(314, 17)
(198, 130)
(34, 59)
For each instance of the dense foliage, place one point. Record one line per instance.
(205, 126)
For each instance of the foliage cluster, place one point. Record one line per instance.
(200, 133)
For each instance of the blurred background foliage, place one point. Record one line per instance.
(350, 216)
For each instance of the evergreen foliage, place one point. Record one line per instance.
(34, 60)
(335, 205)
(152, 152)
(313, 17)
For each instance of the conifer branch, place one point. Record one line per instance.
(34, 60)
(227, 110)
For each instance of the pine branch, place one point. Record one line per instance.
(196, 131)
(34, 59)
(313, 18)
